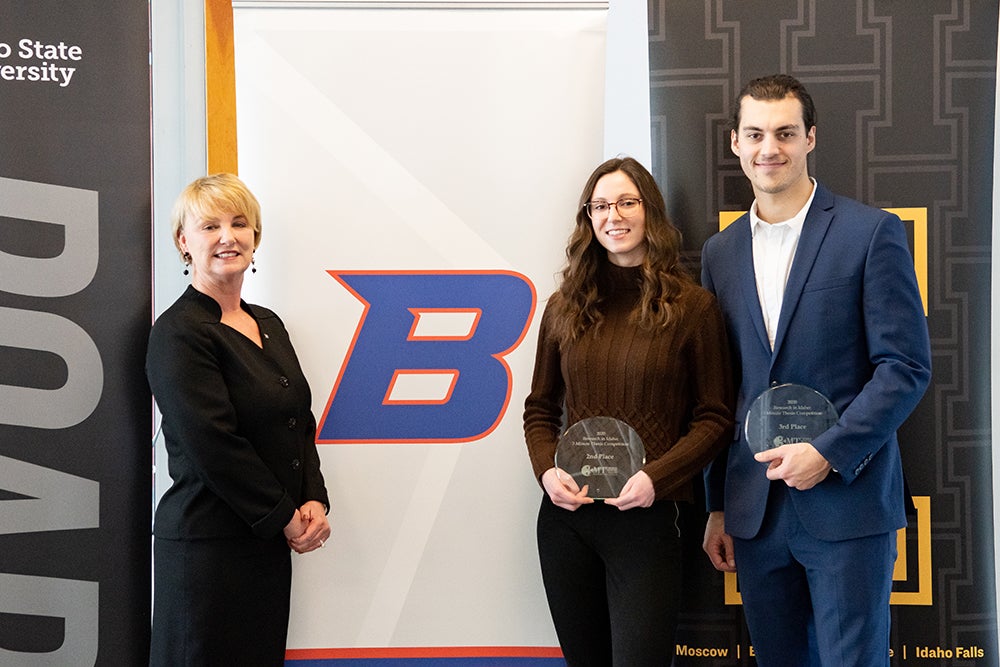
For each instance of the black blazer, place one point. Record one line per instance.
(237, 423)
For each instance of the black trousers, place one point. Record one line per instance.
(613, 582)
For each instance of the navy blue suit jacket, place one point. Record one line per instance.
(852, 326)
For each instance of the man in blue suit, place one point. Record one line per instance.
(819, 290)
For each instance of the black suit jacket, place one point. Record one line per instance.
(237, 422)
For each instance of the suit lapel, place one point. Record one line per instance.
(814, 230)
(748, 280)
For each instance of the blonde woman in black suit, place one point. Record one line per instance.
(240, 438)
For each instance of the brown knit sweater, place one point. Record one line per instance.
(673, 386)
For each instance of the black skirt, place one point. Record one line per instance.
(220, 602)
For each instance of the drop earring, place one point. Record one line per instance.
(253, 264)
(187, 262)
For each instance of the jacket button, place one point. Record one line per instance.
(291, 423)
(283, 381)
(296, 464)
(774, 383)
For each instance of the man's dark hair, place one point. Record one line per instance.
(777, 87)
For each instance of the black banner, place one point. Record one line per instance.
(905, 95)
(75, 310)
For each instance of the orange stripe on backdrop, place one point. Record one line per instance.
(220, 87)
(424, 652)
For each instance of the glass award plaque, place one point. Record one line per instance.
(601, 452)
(785, 414)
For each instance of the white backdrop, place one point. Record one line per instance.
(428, 140)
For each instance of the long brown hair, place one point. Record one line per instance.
(577, 301)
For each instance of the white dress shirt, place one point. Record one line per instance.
(774, 247)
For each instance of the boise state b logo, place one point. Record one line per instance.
(427, 361)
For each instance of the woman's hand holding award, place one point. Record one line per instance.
(601, 452)
(785, 414)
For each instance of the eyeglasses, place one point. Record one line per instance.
(599, 210)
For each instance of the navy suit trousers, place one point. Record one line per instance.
(810, 602)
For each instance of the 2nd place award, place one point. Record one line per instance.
(601, 452)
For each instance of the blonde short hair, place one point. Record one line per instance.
(213, 195)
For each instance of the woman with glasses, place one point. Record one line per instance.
(628, 335)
